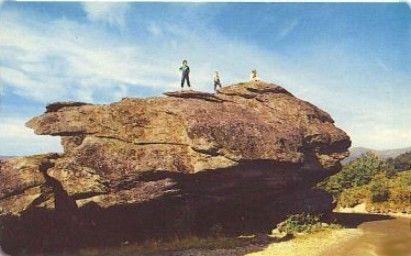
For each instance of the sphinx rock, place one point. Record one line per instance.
(243, 158)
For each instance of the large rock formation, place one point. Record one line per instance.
(240, 159)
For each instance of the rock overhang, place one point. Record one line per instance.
(243, 157)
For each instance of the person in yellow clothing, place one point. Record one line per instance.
(253, 76)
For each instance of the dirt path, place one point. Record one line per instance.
(363, 235)
(309, 245)
(387, 237)
(390, 237)
(371, 237)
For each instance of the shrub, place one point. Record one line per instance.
(379, 189)
(403, 179)
(401, 162)
(400, 191)
(298, 223)
(384, 186)
(382, 194)
(353, 196)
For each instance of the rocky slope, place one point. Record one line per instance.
(238, 161)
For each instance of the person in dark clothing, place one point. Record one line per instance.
(185, 71)
(216, 79)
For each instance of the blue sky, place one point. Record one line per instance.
(352, 60)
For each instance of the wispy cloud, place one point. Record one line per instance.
(381, 64)
(154, 29)
(287, 29)
(15, 137)
(27, 86)
(74, 61)
(109, 13)
(68, 62)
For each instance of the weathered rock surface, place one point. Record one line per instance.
(242, 158)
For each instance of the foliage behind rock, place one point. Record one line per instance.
(370, 180)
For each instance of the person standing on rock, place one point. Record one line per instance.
(216, 79)
(185, 71)
(253, 76)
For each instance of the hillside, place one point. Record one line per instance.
(356, 152)
(377, 185)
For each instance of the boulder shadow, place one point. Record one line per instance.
(353, 220)
(247, 200)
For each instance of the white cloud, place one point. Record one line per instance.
(15, 137)
(72, 60)
(110, 13)
(29, 87)
(154, 29)
(380, 136)
(59, 64)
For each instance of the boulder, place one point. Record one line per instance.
(243, 159)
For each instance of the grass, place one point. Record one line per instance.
(176, 244)
(295, 224)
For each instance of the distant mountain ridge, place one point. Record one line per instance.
(356, 152)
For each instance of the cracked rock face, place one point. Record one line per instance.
(191, 132)
(252, 148)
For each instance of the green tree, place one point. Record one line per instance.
(357, 173)
(401, 162)
(379, 189)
